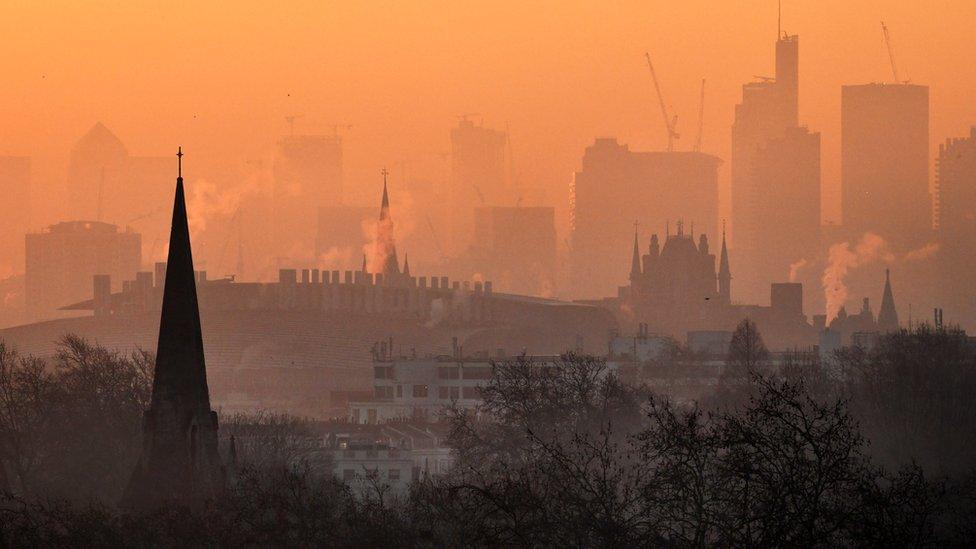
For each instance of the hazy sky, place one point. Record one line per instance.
(220, 80)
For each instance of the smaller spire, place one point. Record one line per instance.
(179, 162)
(364, 264)
(635, 264)
(406, 265)
(887, 315)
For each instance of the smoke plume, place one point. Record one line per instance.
(841, 258)
(795, 268)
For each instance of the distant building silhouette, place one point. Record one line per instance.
(786, 171)
(107, 184)
(956, 221)
(478, 178)
(307, 176)
(887, 316)
(61, 261)
(617, 186)
(775, 177)
(516, 248)
(15, 208)
(884, 163)
(180, 460)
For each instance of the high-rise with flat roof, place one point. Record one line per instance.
(884, 163)
(478, 178)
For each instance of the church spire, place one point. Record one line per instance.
(887, 315)
(386, 253)
(406, 265)
(635, 262)
(179, 459)
(724, 272)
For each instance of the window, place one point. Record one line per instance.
(419, 391)
(442, 392)
(399, 391)
(371, 416)
(447, 372)
(381, 391)
(348, 474)
(471, 392)
(477, 372)
(455, 393)
(394, 474)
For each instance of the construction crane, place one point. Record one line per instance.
(671, 123)
(891, 56)
(701, 117)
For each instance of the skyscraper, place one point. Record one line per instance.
(884, 163)
(768, 109)
(180, 462)
(956, 222)
(478, 178)
(787, 170)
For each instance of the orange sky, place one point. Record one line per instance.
(219, 80)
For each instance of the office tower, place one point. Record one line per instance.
(106, 184)
(478, 178)
(615, 188)
(768, 109)
(956, 222)
(787, 169)
(884, 163)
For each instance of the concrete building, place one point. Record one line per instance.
(479, 177)
(764, 139)
(61, 261)
(15, 208)
(884, 163)
(615, 188)
(421, 389)
(307, 176)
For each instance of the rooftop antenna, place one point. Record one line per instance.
(779, 20)
(179, 162)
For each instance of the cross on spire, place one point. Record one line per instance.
(179, 162)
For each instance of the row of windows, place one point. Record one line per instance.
(467, 372)
(350, 474)
(445, 392)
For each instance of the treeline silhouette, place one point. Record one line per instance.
(867, 448)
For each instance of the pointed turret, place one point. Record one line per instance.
(386, 254)
(887, 315)
(655, 248)
(365, 268)
(724, 273)
(406, 266)
(179, 461)
(635, 262)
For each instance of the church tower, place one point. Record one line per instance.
(887, 316)
(179, 461)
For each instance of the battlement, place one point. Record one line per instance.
(423, 298)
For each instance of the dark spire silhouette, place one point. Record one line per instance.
(887, 315)
(406, 265)
(724, 272)
(364, 265)
(385, 243)
(179, 457)
(635, 262)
